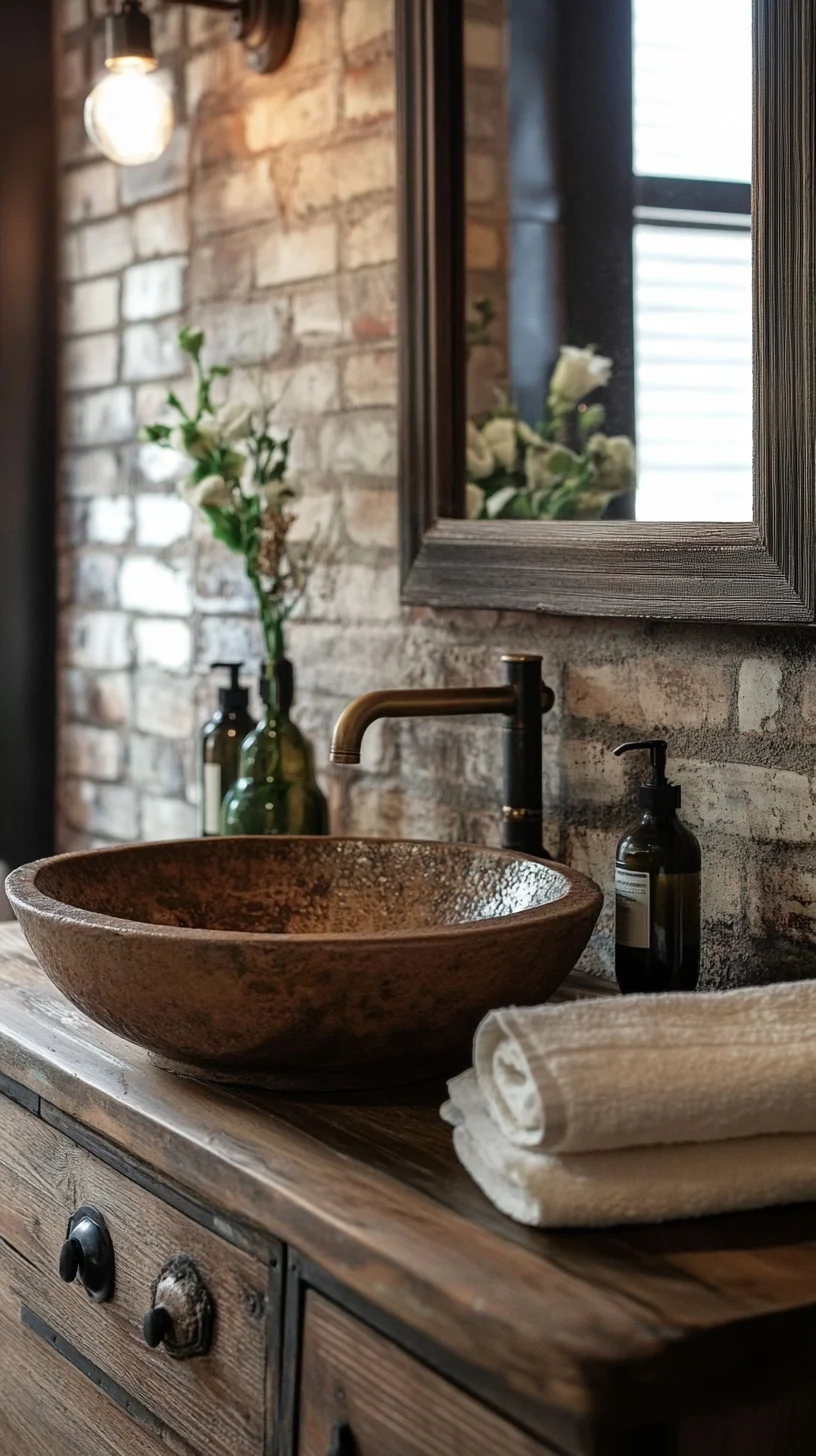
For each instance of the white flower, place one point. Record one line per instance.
(500, 435)
(474, 501)
(278, 493)
(530, 437)
(480, 459)
(578, 372)
(614, 459)
(234, 421)
(211, 491)
(196, 441)
(537, 468)
(500, 499)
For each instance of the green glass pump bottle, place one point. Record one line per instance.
(276, 791)
(657, 889)
(221, 744)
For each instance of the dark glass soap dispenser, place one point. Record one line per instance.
(221, 745)
(657, 889)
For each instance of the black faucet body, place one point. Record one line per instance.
(522, 701)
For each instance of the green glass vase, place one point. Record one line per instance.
(276, 791)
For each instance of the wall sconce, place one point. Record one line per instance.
(129, 115)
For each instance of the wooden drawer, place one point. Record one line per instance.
(48, 1407)
(393, 1405)
(215, 1402)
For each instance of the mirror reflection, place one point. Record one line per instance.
(608, 259)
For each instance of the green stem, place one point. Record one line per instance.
(271, 621)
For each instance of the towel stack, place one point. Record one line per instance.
(644, 1108)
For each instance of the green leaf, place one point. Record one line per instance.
(590, 419)
(157, 434)
(220, 371)
(176, 404)
(191, 341)
(226, 527)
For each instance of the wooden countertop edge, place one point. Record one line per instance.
(558, 1339)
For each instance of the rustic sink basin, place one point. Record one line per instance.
(302, 962)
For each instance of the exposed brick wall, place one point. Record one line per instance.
(272, 222)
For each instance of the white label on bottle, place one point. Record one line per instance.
(212, 798)
(632, 908)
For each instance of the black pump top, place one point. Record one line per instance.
(233, 697)
(659, 795)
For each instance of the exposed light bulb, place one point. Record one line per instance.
(129, 116)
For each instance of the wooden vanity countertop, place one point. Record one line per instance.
(607, 1326)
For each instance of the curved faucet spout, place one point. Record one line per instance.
(413, 703)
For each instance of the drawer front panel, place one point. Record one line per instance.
(217, 1401)
(392, 1405)
(47, 1405)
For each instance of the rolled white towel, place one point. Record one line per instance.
(639, 1070)
(630, 1185)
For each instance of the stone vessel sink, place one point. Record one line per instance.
(302, 962)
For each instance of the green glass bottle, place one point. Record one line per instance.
(276, 791)
(657, 890)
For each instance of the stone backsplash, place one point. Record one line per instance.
(271, 221)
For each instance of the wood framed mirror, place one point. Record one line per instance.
(756, 569)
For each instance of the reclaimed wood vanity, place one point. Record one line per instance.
(341, 1288)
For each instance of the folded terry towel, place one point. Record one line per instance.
(632, 1185)
(639, 1070)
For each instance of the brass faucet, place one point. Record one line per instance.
(522, 700)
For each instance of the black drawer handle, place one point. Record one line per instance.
(342, 1440)
(182, 1313)
(88, 1254)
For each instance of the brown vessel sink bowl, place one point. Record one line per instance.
(302, 962)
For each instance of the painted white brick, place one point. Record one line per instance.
(168, 819)
(105, 247)
(652, 692)
(151, 587)
(91, 753)
(365, 21)
(110, 520)
(90, 192)
(161, 520)
(748, 801)
(760, 683)
(92, 472)
(164, 705)
(100, 419)
(166, 644)
(108, 810)
(359, 444)
(92, 307)
(371, 237)
(153, 290)
(282, 114)
(97, 639)
(162, 228)
(290, 257)
(90, 363)
(151, 351)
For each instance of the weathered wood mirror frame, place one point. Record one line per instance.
(754, 572)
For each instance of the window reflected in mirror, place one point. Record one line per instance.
(608, 259)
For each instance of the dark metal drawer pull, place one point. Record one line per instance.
(342, 1440)
(182, 1312)
(88, 1254)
